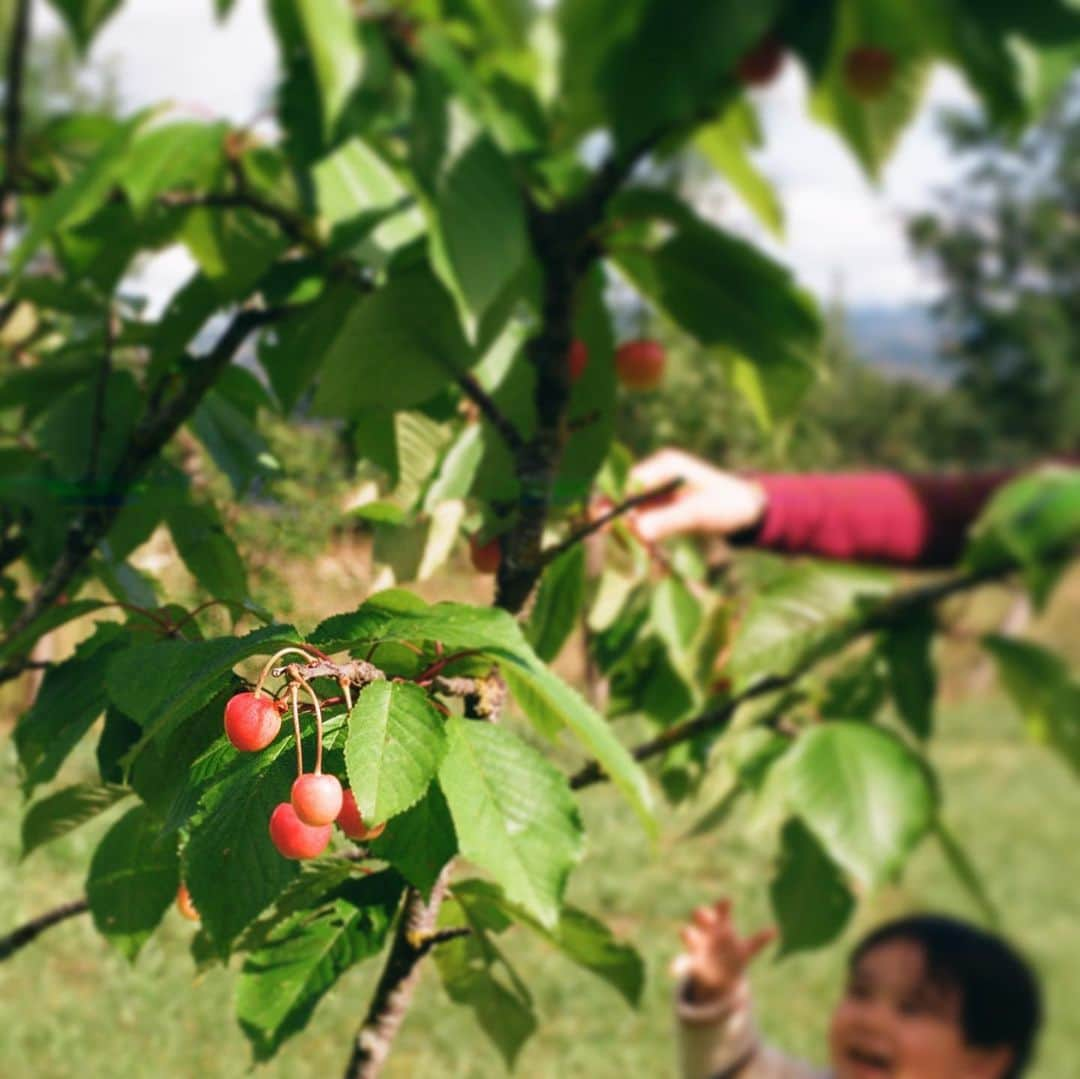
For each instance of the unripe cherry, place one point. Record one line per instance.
(251, 721)
(352, 823)
(316, 799)
(295, 839)
(485, 556)
(640, 364)
(577, 359)
(184, 903)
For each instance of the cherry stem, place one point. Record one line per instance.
(318, 717)
(344, 683)
(270, 663)
(294, 693)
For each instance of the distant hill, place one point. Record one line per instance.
(899, 341)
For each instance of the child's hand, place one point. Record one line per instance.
(716, 957)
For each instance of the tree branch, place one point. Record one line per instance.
(880, 616)
(28, 932)
(551, 553)
(20, 36)
(147, 440)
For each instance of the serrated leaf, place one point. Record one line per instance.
(65, 810)
(420, 841)
(582, 938)
(207, 549)
(475, 973)
(71, 697)
(133, 879)
(548, 701)
(231, 866)
(912, 680)
(513, 814)
(82, 195)
(171, 157)
(282, 983)
(1040, 685)
(799, 616)
(862, 793)
(336, 56)
(408, 324)
(160, 684)
(810, 899)
(395, 745)
(558, 603)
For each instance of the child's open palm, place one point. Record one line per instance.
(716, 957)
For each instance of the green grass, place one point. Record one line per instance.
(67, 1004)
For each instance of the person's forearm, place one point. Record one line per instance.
(872, 516)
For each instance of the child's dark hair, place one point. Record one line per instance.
(1000, 1000)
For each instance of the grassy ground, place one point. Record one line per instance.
(68, 1005)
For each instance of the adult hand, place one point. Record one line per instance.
(716, 957)
(709, 500)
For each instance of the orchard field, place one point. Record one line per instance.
(355, 718)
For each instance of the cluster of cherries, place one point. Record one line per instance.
(302, 826)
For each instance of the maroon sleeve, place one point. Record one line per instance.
(873, 516)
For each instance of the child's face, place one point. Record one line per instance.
(894, 1023)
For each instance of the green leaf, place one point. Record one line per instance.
(407, 325)
(966, 872)
(513, 814)
(1044, 692)
(583, 939)
(559, 600)
(81, 196)
(1034, 521)
(52, 817)
(906, 646)
(458, 468)
(233, 248)
(172, 157)
(71, 697)
(207, 549)
(420, 841)
(85, 17)
(334, 48)
(475, 973)
(395, 745)
(133, 879)
(798, 617)
(726, 144)
(478, 232)
(810, 899)
(158, 685)
(46, 622)
(863, 794)
(231, 866)
(548, 701)
(282, 983)
(233, 441)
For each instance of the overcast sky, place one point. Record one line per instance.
(842, 233)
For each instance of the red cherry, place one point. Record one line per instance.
(485, 556)
(316, 799)
(761, 64)
(295, 839)
(184, 903)
(868, 71)
(640, 364)
(352, 823)
(577, 359)
(251, 722)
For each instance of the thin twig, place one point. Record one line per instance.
(20, 37)
(28, 932)
(494, 415)
(551, 553)
(97, 421)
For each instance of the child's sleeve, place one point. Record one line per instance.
(718, 1040)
